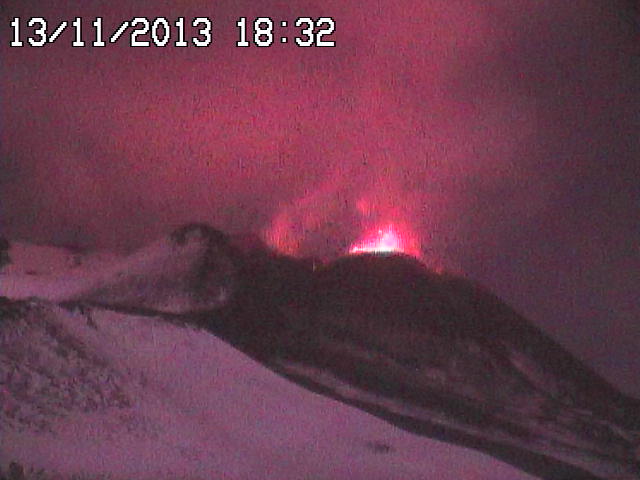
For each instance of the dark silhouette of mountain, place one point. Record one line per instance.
(431, 353)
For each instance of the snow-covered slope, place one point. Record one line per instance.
(177, 361)
(99, 392)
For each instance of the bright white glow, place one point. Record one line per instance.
(385, 240)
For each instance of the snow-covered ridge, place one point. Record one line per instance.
(184, 272)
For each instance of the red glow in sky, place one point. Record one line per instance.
(442, 123)
(387, 239)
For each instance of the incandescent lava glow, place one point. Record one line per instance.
(385, 240)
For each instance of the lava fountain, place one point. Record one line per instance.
(385, 240)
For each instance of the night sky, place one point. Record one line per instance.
(503, 135)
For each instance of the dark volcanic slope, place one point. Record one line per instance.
(437, 355)
(396, 296)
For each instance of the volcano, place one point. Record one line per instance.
(198, 357)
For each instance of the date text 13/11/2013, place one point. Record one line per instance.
(159, 32)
